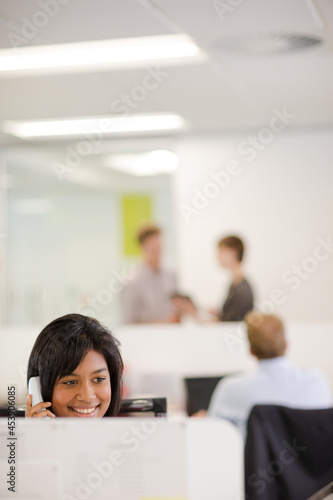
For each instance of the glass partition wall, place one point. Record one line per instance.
(3, 236)
(67, 235)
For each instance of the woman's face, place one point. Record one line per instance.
(227, 256)
(86, 392)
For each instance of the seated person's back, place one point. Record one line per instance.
(275, 381)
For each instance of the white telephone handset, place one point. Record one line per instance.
(35, 391)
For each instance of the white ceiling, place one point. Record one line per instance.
(230, 92)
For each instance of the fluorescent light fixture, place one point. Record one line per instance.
(142, 164)
(94, 128)
(98, 55)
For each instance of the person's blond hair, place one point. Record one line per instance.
(266, 335)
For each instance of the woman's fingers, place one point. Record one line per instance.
(28, 405)
(35, 411)
(43, 413)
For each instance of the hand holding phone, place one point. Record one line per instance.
(35, 406)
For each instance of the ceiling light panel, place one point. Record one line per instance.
(99, 55)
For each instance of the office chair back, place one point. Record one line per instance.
(324, 494)
(288, 452)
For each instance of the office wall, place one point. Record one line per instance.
(279, 198)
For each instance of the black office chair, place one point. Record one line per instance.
(139, 407)
(288, 452)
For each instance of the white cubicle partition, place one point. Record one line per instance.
(157, 357)
(188, 350)
(123, 459)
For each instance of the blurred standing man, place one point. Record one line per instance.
(147, 298)
(240, 297)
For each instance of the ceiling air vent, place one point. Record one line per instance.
(267, 44)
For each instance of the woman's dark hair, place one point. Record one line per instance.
(62, 345)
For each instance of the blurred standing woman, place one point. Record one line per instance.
(240, 296)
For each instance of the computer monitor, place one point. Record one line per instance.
(199, 391)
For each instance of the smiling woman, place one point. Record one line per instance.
(80, 369)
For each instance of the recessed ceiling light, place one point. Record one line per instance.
(267, 43)
(98, 55)
(143, 164)
(98, 125)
